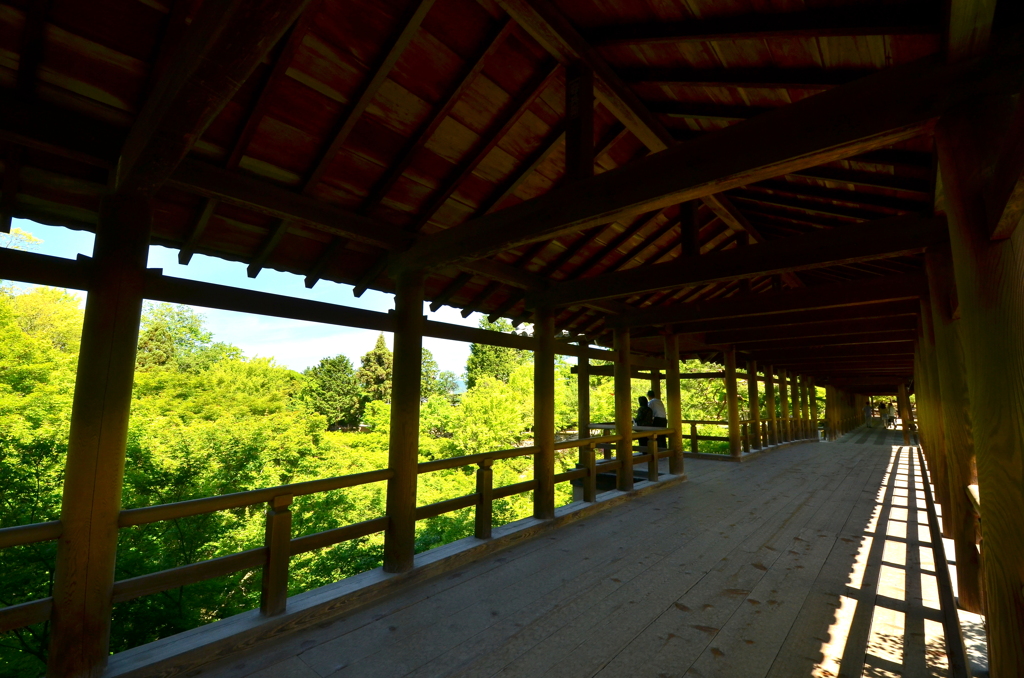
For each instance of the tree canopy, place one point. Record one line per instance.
(497, 362)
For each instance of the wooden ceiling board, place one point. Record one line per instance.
(130, 27)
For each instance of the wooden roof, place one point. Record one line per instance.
(367, 127)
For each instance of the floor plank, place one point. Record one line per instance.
(813, 560)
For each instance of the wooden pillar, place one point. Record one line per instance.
(674, 405)
(732, 403)
(689, 229)
(579, 122)
(805, 413)
(544, 415)
(785, 431)
(830, 412)
(938, 439)
(93, 476)
(907, 416)
(991, 302)
(583, 395)
(769, 394)
(958, 429)
(755, 405)
(404, 448)
(812, 399)
(623, 409)
(795, 396)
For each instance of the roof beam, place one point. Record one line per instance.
(813, 330)
(743, 78)
(264, 197)
(854, 293)
(875, 111)
(221, 48)
(888, 20)
(898, 236)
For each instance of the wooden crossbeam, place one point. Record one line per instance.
(889, 182)
(808, 193)
(196, 176)
(912, 19)
(859, 292)
(898, 236)
(857, 339)
(875, 111)
(224, 44)
(807, 330)
(743, 78)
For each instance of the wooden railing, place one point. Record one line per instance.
(279, 546)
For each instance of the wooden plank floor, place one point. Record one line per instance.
(814, 560)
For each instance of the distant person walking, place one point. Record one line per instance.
(890, 416)
(660, 418)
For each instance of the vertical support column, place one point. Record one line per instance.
(958, 428)
(674, 405)
(755, 405)
(485, 499)
(991, 299)
(903, 405)
(785, 431)
(544, 415)
(583, 394)
(769, 393)
(938, 435)
(579, 118)
(805, 414)
(278, 539)
(732, 403)
(812, 396)
(404, 449)
(689, 229)
(94, 471)
(623, 409)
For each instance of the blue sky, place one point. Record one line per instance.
(292, 343)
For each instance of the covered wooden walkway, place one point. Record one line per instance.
(813, 561)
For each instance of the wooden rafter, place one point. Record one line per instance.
(739, 78)
(874, 112)
(909, 19)
(30, 52)
(487, 142)
(223, 45)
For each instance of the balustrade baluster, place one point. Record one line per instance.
(590, 481)
(484, 499)
(652, 465)
(274, 594)
(694, 446)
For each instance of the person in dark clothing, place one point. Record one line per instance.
(644, 414)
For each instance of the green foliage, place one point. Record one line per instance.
(375, 372)
(496, 362)
(174, 337)
(332, 389)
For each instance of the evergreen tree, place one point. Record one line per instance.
(435, 382)
(493, 361)
(375, 372)
(332, 390)
(176, 337)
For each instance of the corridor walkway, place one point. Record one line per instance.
(814, 560)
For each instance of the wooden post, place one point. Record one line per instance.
(674, 405)
(769, 393)
(930, 377)
(694, 440)
(755, 404)
(623, 410)
(784, 425)
(590, 482)
(94, 471)
(812, 395)
(903, 405)
(583, 395)
(278, 538)
(579, 121)
(404, 449)
(732, 403)
(484, 499)
(991, 299)
(652, 464)
(544, 415)
(958, 429)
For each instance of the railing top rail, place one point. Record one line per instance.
(580, 442)
(20, 535)
(194, 507)
(469, 459)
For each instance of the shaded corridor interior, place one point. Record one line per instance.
(812, 561)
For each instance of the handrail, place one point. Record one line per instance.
(194, 507)
(21, 535)
(470, 459)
